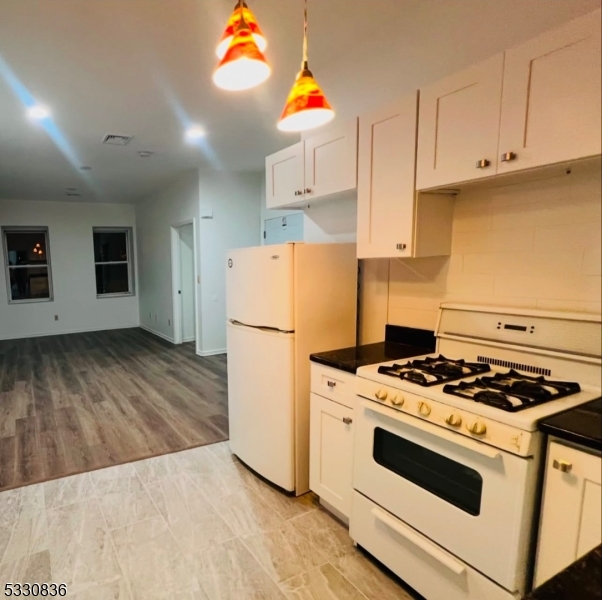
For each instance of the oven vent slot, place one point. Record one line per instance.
(512, 365)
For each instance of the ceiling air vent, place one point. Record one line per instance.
(116, 140)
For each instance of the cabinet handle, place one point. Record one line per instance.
(331, 384)
(347, 420)
(483, 163)
(401, 246)
(308, 190)
(562, 465)
(508, 156)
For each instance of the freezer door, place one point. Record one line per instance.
(261, 402)
(259, 286)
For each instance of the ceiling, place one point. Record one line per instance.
(143, 68)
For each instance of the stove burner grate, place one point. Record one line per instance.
(434, 371)
(513, 391)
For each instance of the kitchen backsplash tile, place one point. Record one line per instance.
(532, 245)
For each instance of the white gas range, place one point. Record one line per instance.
(448, 459)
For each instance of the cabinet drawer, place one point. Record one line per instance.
(423, 565)
(333, 384)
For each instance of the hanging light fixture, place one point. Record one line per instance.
(240, 13)
(243, 66)
(306, 106)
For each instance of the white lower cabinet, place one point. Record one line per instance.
(331, 453)
(571, 520)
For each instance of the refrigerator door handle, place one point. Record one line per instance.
(261, 328)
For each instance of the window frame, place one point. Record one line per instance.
(129, 244)
(7, 267)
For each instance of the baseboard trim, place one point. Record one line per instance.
(158, 334)
(211, 352)
(69, 332)
(186, 340)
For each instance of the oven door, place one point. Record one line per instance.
(472, 499)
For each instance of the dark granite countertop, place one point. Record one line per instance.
(401, 342)
(581, 425)
(581, 581)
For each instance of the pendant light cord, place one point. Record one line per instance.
(304, 64)
(243, 23)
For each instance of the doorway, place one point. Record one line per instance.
(184, 282)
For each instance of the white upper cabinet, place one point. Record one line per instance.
(388, 209)
(284, 176)
(323, 165)
(551, 100)
(386, 180)
(536, 104)
(331, 161)
(459, 125)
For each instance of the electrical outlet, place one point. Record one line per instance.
(56, 317)
(169, 322)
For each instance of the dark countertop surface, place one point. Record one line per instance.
(400, 342)
(351, 359)
(581, 425)
(581, 581)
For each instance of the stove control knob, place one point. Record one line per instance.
(424, 409)
(454, 420)
(477, 428)
(381, 395)
(397, 400)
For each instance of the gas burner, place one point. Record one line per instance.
(434, 371)
(512, 391)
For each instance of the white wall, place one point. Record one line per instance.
(72, 259)
(155, 215)
(533, 245)
(235, 199)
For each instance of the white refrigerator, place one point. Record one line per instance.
(284, 303)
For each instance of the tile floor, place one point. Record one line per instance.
(195, 525)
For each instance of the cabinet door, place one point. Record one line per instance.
(459, 125)
(284, 177)
(551, 99)
(572, 507)
(331, 452)
(331, 161)
(386, 180)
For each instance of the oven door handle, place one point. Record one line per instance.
(425, 545)
(455, 438)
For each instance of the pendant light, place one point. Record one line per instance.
(306, 106)
(243, 66)
(240, 13)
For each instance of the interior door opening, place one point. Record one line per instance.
(184, 283)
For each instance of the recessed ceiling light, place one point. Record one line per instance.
(195, 132)
(38, 112)
(85, 168)
(145, 153)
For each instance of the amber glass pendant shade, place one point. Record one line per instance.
(306, 107)
(233, 24)
(243, 66)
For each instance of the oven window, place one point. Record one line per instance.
(454, 482)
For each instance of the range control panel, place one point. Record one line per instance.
(450, 418)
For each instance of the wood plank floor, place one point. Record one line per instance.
(75, 403)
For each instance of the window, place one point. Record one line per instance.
(27, 261)
(113, 261)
